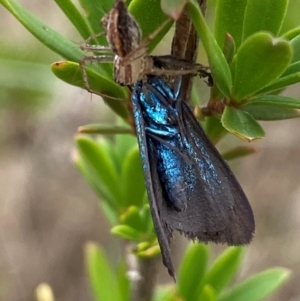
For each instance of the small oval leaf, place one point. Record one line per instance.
(104, 129)
(295, 44)
(133, 182)
(241, 124)
(259, 61)
(224, 268)
(131, 217)
(189, 277)
(281, 83)
(102, 279)
(226, 12)
(270, 112)
(70, 73)
(266, 15)
(126, 232)
(272, 107)
(207, 294)
(291, 34)
(109, 204)
(229, 48)
(292, 69)
(257, 287)
(100, 164)
(150, 252)
(278, 100)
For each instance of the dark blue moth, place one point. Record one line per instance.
(190, 187)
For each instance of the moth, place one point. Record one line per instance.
(190, 187)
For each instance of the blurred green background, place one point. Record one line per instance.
(48, 211)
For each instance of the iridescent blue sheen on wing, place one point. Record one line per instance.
(190, 187)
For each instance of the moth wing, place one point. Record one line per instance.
(153, 186)
(217, 208)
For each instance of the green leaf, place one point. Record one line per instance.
(266, 15)
(292, 69)
(238, 152)
(126, 232)
(295, 44)
(292, 34)
(100, 189)
(241, 124)
(45, 34)
(258, 286)
(214, 129)
(123, 282)
(229, 19)
(189, 277)
(218, 64)
(71, 11)
(224, 268)
(123, 145)
(270, 112)
(279, 100)
(133, 182)
(131, 217)
(104, 129)
(272, 107)
(229, 48)
(164, 293)
(71, 73)
(208, 294)
(150, 17)
(97, 186)
(281, 83)
(147, 218)
(101, 278)
(110, 213)
(101, 164)
(94, 11)
(259, 61)
(151, 251)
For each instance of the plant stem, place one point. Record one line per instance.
(142, 273)
(185, 45)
